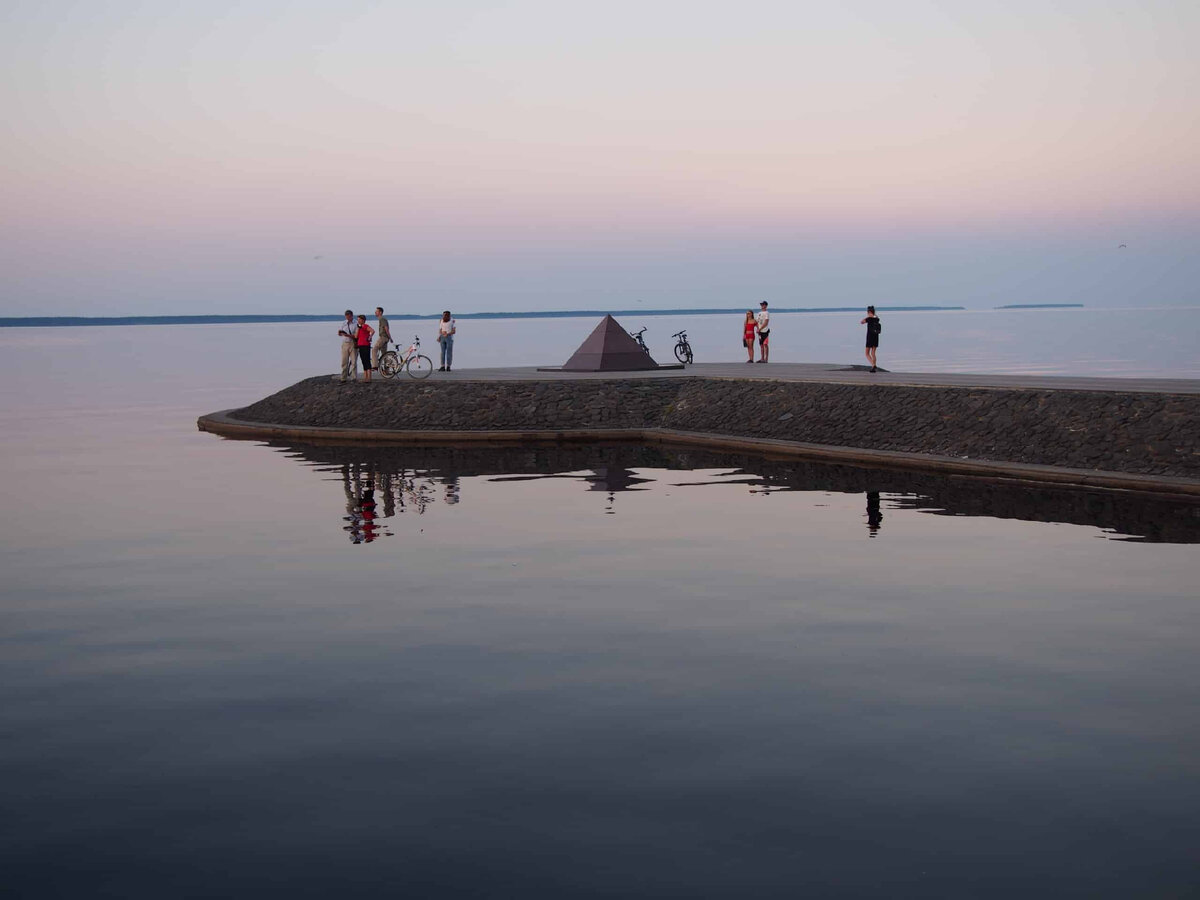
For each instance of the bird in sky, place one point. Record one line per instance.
(1123, 246)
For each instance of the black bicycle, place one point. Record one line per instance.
(637, 336)
(683, 350)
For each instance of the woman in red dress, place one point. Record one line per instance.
(748, 336)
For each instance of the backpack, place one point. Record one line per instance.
(878, 325)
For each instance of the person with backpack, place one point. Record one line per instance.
(874, 327)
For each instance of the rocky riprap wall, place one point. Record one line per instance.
(1149, 434)
(468, 405)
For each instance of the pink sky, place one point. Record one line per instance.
(198, 159)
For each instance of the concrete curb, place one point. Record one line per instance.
(222, 423)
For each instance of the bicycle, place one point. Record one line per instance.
(637, 336)
(417, 364)
(683, 350)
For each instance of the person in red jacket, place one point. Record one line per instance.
(363, 340)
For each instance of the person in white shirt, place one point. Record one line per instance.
(446, 329)
(763, 323)
(348, 331)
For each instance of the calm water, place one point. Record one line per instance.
(230, 669)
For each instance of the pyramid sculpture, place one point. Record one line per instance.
(609, 348)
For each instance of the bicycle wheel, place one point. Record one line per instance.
(420, 366)
(683, 352)
(389, 364)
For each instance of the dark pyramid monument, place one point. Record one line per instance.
(610, 349)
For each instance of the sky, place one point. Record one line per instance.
(296, 157)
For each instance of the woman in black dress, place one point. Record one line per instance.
(873, 329)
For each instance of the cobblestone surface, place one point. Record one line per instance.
(1151, 434)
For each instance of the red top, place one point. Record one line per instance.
(749, 332)
(364, 335)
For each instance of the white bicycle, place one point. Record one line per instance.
(417, 364)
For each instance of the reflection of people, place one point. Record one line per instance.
(363, 338)
(347, 332)
(383, 336)
(366, 505)
(874, 515)
(748, 336)
(873, 329)
(389, 498)
(763, 322)
(446, 330)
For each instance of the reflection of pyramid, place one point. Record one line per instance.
(612, 480)
(609, 349)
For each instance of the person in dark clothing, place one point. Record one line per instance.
(873, 329)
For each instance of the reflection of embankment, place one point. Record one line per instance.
(619, 467)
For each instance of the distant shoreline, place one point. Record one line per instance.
(1041, 306)
(81, 321)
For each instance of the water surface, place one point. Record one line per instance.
(234, 669)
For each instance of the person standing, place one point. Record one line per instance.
(363, 340)
(348, 331)
(763, 323)
(748, 335)
(874, 327)
(383, 336)
(446, 330)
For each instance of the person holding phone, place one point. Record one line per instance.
(347, 332)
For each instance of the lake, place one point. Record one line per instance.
(237, 669)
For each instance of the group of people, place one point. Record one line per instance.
(362, 343)
(359, 348)
(760, 325)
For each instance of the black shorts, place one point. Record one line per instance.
(364, 353)
(763, 335)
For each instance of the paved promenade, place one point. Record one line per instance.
(832, 373)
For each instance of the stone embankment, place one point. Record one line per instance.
(1144, 434)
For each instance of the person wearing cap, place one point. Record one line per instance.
(348, 332)
(763, 323)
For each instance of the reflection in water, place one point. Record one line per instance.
(874, 516)
(610, 479)
(409, 479)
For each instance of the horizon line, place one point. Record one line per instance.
(266, 318)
